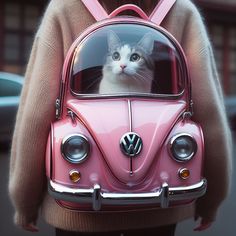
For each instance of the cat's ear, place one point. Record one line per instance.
(147, 43)
(113, 40)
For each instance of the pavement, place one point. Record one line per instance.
(225, 224)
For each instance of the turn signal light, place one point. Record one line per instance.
(184, 173)
(75, 176)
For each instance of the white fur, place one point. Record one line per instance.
(125, 75)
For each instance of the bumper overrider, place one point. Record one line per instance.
(162, 196)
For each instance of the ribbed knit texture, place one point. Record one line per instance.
(63, 21)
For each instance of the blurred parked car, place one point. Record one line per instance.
(230, 104)
(10, 89)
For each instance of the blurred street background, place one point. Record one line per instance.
(19, 20)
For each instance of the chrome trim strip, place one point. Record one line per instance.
(58, 108)
(178, 192)
(131, 96)
(165, 195)
(97, 198)
(71, 114)
(130, 116)
(130, 129)
(97, 202)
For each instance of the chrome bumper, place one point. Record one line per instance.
(97, 198)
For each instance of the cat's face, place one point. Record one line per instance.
(125, 61)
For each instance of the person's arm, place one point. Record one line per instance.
(210, 113)
(36, 111)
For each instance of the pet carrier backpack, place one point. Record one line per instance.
(124, 138)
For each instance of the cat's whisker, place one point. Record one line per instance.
(96, 81)
(143, 77)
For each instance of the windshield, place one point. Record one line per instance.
(126, 59)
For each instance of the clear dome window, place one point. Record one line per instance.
(127, 59)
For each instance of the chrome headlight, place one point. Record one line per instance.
(183, 147)
(75, 148)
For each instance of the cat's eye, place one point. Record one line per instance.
(135, 57)
(116, 56)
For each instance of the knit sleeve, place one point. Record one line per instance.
(210, 113)
(35, 113)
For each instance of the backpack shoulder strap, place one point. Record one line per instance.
(161, 10)
(96, 9)
(157, 16)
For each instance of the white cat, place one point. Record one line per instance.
(128, 68)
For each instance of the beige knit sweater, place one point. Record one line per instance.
(62, 23)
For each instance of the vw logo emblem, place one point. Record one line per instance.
(131, 144)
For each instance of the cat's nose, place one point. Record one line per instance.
(122, 66)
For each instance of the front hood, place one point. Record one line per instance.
(109, 120)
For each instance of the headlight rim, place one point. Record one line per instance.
(193, 153)
(68, 138)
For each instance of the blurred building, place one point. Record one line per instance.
(220, 17)
(19, 21)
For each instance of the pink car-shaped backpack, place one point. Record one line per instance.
(123, 138)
